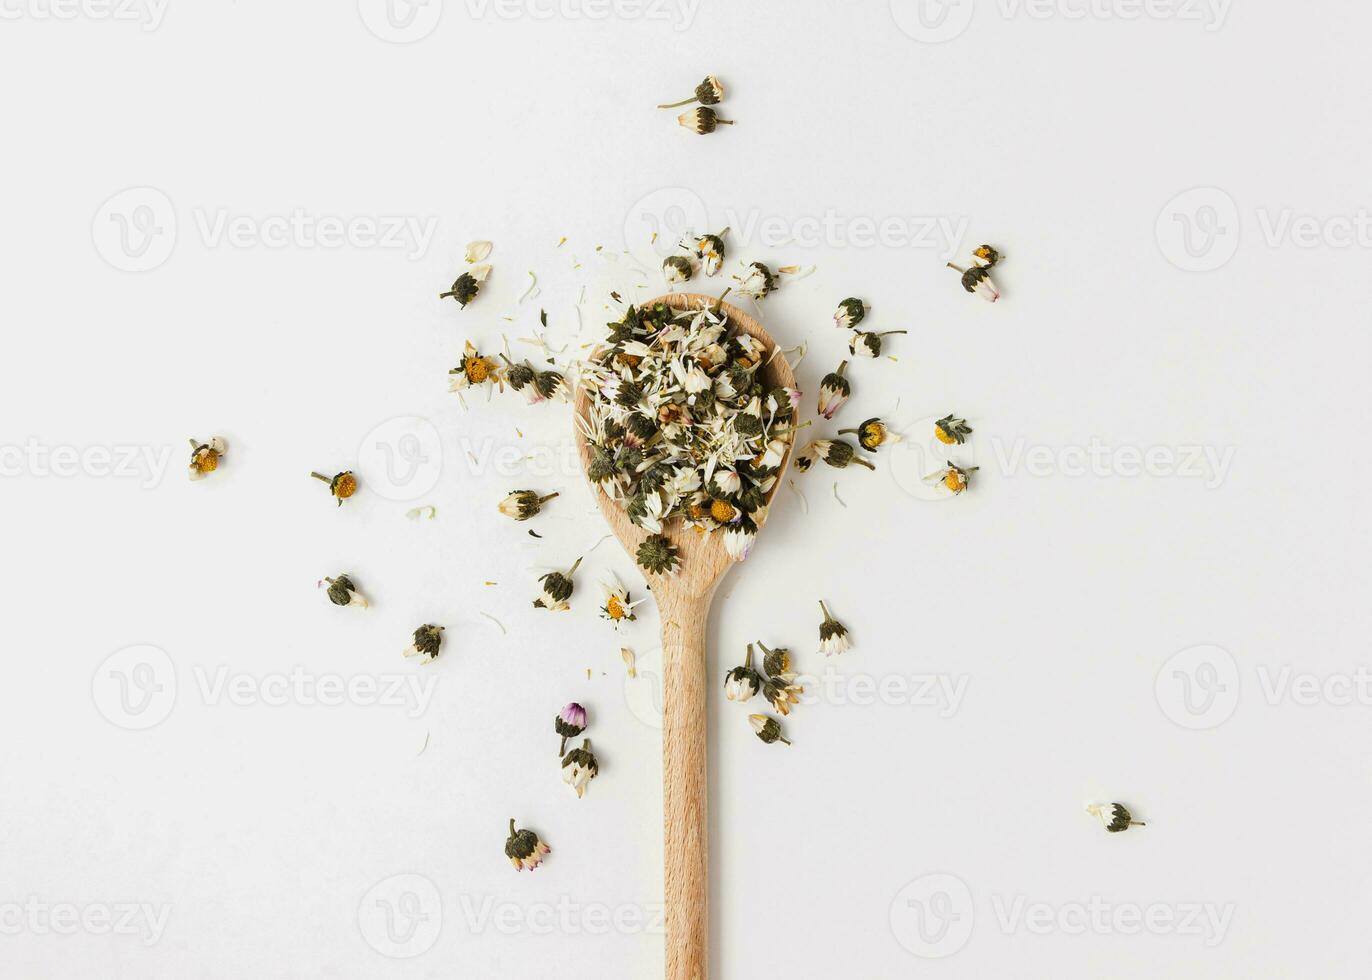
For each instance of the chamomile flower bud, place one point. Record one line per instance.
(1115, 816)
(546, 385)
(837, 453)
(767, 729)
(702, 120)
(205, 457)
(464, 289)
(710, 250)
(474, 369)
(569, 723)
(579, 767)
(834, 390)
(953, 478)
(950, 429)
(777, 663)
(741, 683)
(757, 281)
(725, 483)
(863, 343)
(524, 849)
(978, 280)
(617, 607)
(523, 504)
(873, 434)
(749, 421)
(342, 592)
(739, 538)
(849, 313)
(708, 92)
(427, 640)
(833, 635)
(985, 256)
(341, 485)
(782, 694)
(806, 457)
(658, 555)
(677, 268)
(557, 590)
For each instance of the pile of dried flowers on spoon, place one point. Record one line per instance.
(680, 424)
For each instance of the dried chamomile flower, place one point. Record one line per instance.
(767, 729)
(427, 639)
(524, 849)
(978, 280)
(951, 429)
(833, 635)
(757, 281)
(836, 452)
(570, 722)
(474, 369)
(873, 434)
(777, 663)
(658, 555)
(741, 683)
(708, 92)
(205, 457)
(617, 607)
(342, 592)
(341, 485)
(579, 767)
(710, 250)
(782, 694)
(864, 343)
(834, 390)
(739, 538)
(677, 268)
(524, 504)
(1115, 816)
(985, 256)
(702, 120)
(953, 478)
(464, 289)
(537, 386)
(557, 589)
(850, 313)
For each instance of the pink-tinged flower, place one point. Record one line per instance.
(739, 538)
(570, 722)
(524, 849)
(850, 313)
(978, 280)
(834, 390)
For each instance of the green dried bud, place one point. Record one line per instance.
(677, 268)
(342, 592)
(426, 642)
(601, 466)
(658, 555)
(951, 429)
(523, 504)
(519, 375)
(702, 120)
(850, 313)
(524, 849)
(557, 589)
(464, 289)
(767, 729)
(776, 662)
(985, 256)
(872, 434)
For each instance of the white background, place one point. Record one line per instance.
(1063, 135)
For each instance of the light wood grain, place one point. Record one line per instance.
(683, 602)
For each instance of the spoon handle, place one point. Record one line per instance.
(684, 802)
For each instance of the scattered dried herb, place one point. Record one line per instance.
(205, 457)
(834, 390)
(833, 635)
(767, 729)
(710, 250)
(978, 280)
(523, 504)
(708, 92)
(617, 607)
(525, 849)
(863, 343)
(467, 285)
(630, 661)
(342, 592)
(474, 370)
(569, 723)
(741, 683)
(835, 452)
(850, 313)
(872, 434)
(777, 663)
(341, 485)
(579, 767)
(702, 120)
(985, 256)
(1115, 816)
(952, 478)
(557, 589)
(425, 645)
(677, 268)
(950, 429)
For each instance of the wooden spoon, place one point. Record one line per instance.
(683, 602)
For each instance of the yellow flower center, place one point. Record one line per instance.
(954, 481)
(942, 435)
(207, 461)
(614, 608)
(722, 511)
(346, 486)
(477, 370)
